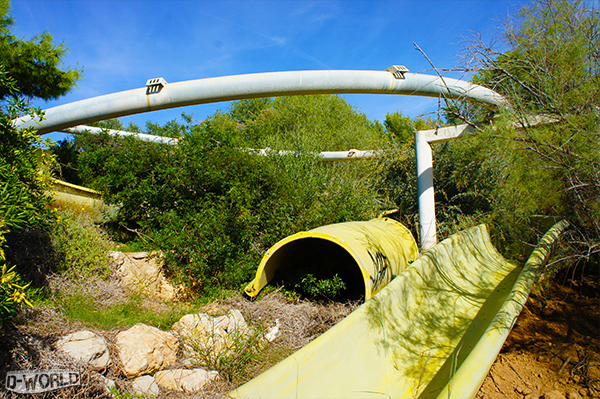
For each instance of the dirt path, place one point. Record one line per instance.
(553, 352)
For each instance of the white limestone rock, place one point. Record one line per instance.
(142, 272)
(145, 385)
(183, 380)
(199, 332)
(143, 349)
(86, 346)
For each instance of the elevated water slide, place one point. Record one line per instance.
(436, 328)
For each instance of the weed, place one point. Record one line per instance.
(117, 393)
(315, 286)
(231, 353)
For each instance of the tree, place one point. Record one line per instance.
(402, 128)
(547, 65)
(33, 64)
(303, 123)
(26, 69)
(212, 207)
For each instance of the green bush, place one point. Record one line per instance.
(27, 69)
(13, 291)
(211, 206)
(548, 69)
(23, 203)
(81, 248)
(320, 287)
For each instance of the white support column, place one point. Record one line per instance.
(425, 192)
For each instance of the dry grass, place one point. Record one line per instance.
(29, 344)
(105, 293)
(299, 323)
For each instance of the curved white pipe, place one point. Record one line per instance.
(160, 95)
(202, 91)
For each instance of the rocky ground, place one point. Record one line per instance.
(553, 352)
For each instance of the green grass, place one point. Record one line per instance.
(87, 311)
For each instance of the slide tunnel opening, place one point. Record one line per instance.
(309, 265)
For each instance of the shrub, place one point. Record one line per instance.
(81, 247)
(13, 291)
(211, 206)
(320, 287)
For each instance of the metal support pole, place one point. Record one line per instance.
(425, 192)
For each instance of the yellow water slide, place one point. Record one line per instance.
(67, 195)
(433, 332)
(366, 255)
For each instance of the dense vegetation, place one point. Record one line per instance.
(214, 209)
(210, 205)
(33, 65)
(549, 69)
(517, 176)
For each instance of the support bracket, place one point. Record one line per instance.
(155, 85)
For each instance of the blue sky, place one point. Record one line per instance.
(122, 43)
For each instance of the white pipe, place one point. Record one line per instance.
(82, 129)
(351, 155)
(160, 95)
(443, 134)
(425, 193)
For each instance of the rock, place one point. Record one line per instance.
(184, 380)
(573, 395)
(142, 271)
(273, 332)
(143, 349)
(145, 385)
(200, 333)
(86, 346)
(553, 395)
(523, 390)
(233, 323)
